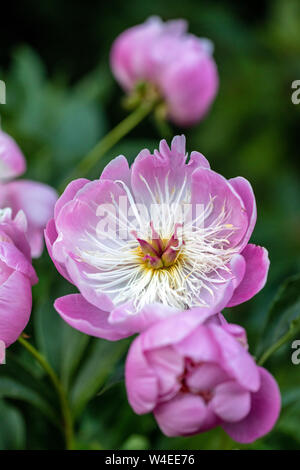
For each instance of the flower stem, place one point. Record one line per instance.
(65, 409)
(112, 138)
(281, 341)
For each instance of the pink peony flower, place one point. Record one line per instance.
(12, 161)
(194, 373)
(161, 232)
(16, 276)
(178, 64)
(37, 200)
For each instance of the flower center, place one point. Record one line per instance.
(159, 253)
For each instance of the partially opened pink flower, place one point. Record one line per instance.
(37, 200)
(163, 232)
(178, 64)
(16, 276)
(193, 371)
(12, 161)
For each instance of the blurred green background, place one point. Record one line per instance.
(61, 99)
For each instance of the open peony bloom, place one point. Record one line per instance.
(16, 276)
(37, 200)
(163, 232)
(179, 65)
(194, 373)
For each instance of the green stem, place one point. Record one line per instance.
(284, 339)
(163, 128)
(111, 139)
(65, 409)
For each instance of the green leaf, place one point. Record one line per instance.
(116, 377)
(98, 84)
(283, 321)
(289, 421)
(74, 345)
(12, 429)
(93, 374)
(78, 128)
(136, 442)
(48, 325)
(10, 388)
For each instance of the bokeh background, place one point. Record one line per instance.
(61, 99)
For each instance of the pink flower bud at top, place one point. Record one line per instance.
(179, 65)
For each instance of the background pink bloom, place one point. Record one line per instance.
(194, 375)
(12, 161)
(180, 65)
(37, 200)
(16, 276)
(218, 267)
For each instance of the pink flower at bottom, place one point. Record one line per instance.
(193, 371)
(16, 276)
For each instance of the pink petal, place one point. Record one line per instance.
(125, 315)
(210, 188)
(245, 191)
(184, 415)
(69, 193)
(15, 307)
(77, 226)
(188, 104)
(14, 258)
(218, 295)
(78, 273)
(37, 200)
(117, 169)
(168, 366)
(130, 55)
(50, 234)
(141, 380)
(265, 408)
(85, 317)
(231, 402)
(12, 161)
(235, 359)
(167, 332)
(81, 213)
(205, 377)
(15, 229)
(164, 172)
(257, 266)
(199, 345)
(136, 53)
